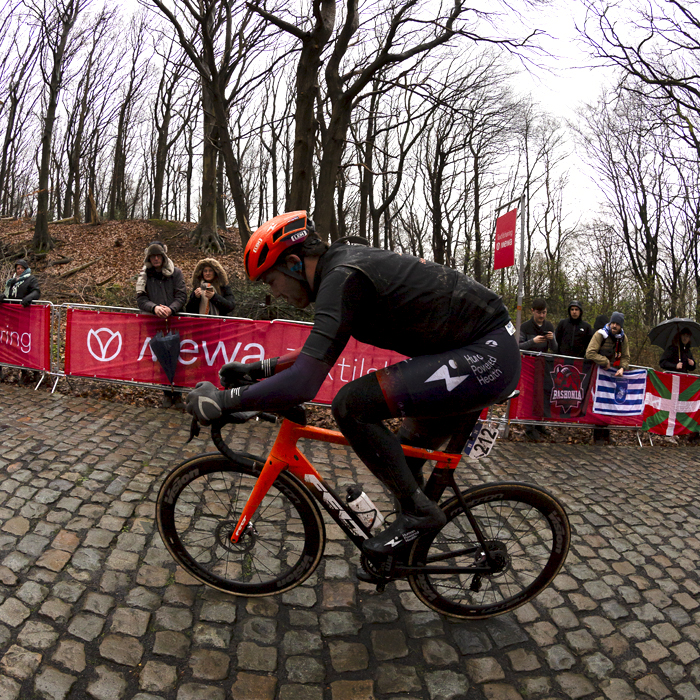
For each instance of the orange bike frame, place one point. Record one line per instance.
(286, 455)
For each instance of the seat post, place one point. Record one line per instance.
(461, 435)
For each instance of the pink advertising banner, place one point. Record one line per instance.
(112, 345)
(25, 335)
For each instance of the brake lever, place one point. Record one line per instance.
(194, 429)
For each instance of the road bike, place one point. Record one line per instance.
(253, 527)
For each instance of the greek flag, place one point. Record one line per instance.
(620, 396)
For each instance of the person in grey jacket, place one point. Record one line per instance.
(160, 287)
(161, 290)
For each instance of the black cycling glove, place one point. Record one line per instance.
(207, 403)
(236, 374)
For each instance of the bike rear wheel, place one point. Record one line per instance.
(527, 532)
(198, 508)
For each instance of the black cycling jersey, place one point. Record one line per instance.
(397, 302)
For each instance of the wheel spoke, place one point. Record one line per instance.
(514, 524)
(284, 540)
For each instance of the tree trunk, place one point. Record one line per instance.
(205, 236)
(333, 148)
(478, 272)
(190, 169)
(307, 80)
(42, 240)
(116, 203)
(161, 157)
(232, 166)
(9, 137)
(220, 206)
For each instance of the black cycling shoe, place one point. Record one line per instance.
(366, 576)
(406, 528)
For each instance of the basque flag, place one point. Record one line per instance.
(620, 396)
(672, 404)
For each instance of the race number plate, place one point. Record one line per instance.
(481, 440)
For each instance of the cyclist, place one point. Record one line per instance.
(457, 334)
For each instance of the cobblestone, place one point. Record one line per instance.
(92, 606)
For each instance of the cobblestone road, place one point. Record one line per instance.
(92, 606)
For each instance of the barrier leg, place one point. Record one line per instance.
(506, 430)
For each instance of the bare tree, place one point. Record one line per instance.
(656, 48)
(16, 76)
(130, 96)
(54, 19)
(223, 43)
(388, 34)
(396, 116)
(628, 153)
(164, 108)
(92, 69)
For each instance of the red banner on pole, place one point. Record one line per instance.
(504, 250)
(25, 335)
(111, 345)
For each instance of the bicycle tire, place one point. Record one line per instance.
(526, 528)
(198, 507)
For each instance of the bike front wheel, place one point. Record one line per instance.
(198, 508)
(527, 533)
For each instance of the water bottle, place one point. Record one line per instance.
(361, 503)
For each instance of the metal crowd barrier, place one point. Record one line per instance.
(57, 349)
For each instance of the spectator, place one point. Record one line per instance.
(608, 348)
(211, 294)
(161, 290)
(573, 334)
(537, 334)
(678, 357)
(23, 286)
(600, 321)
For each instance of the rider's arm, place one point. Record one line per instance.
(295, 385)
(341, 300)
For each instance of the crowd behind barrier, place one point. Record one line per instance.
(112, 344)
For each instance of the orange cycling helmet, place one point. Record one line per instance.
(273, 239)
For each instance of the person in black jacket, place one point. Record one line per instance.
(600, 321)
(573, 334)
(678, 357)
(537, 334)
(23, 286)
(211, 294)
(160, 286)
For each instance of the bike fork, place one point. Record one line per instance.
(472, 520)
